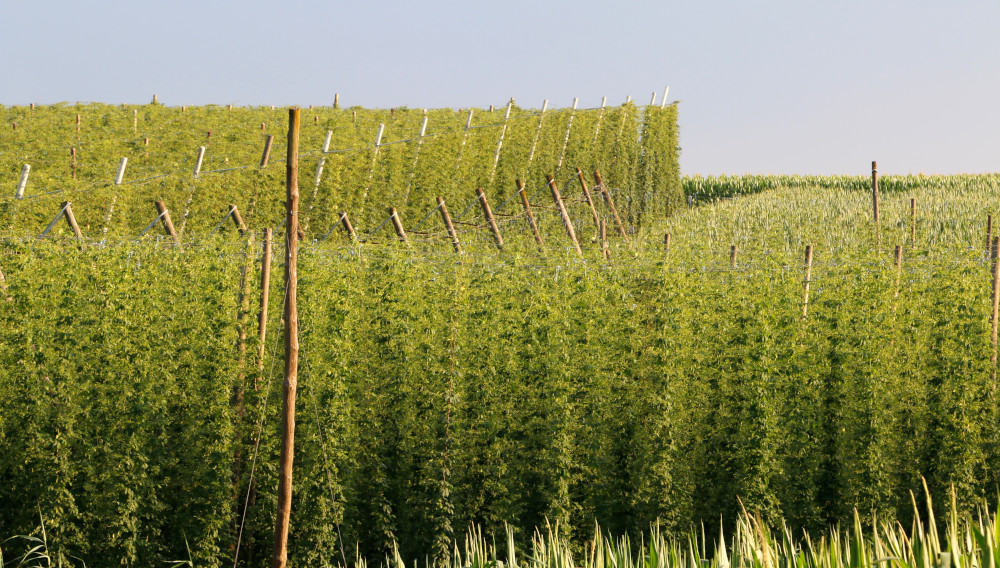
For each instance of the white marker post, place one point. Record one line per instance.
(19, 193)
(665, 91)
(199, 161)
(503, 131)
(569, 127)
(121, 171)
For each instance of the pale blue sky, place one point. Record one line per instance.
(777, 86)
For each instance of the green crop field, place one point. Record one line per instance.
(717, 401)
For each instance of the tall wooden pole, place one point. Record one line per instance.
(995, 315)
(490, 220)
(805, 283)
(279, 558)
(586, 195)
(265, 287)
(610, 202)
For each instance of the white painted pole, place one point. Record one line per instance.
(538, 133)
(19, 194)
(378, 137)
(665, 91)
(628, 99)
(503, 131)
(600, 119)
(569, 127)
(198, 162)
(652, 101)
(322, 163)
(121, 171)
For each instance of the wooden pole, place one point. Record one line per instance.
(805, 283)
(161, 209)
(527, 212)
(346, 222)
(875, 215)
(267, 151)
(562, 212)
(488, 213)
(234, 212)
(989, 233)
(265, 288)
(604, 239)
(586, 195)
(995, 254)
(397, 224)
(449, 225)
(71, 219)
(279, 558)
(666, 242)
(732, 256)
(913, 222)
(610, 202)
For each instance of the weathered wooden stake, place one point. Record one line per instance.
(586, 195)
(449, 225)
(732, 256)
(266, 155)
(265, 289)
(875, 215)
(344, 220)
(604, 239)
(19, 192)
(488, 213)
(397, 224)
(805, 283)
(995, 253)
(527, 212)
(234, 213)
(666, 242)
(71, 219)
(562, 212)
(610, 202)
(279, 558)
(989, 234)
(161, 209)
(77, 123)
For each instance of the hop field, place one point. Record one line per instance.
(672, 388)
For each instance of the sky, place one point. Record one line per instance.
(775, 86)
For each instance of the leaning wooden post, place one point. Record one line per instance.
(265, 288)
(604, 239)
(397, 224)
(995, 254)
(279, 558)
(234, 212)
(449, 225)
(805, 283)
(610, 202)
(666, 242)
(164, 213)
(732, 256)
(71, 219)
(527, 212)
(264, 157)
(562, 212)
(586, 195)
(346, 222)
(488, 213)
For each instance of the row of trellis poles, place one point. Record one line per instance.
(163, 216)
